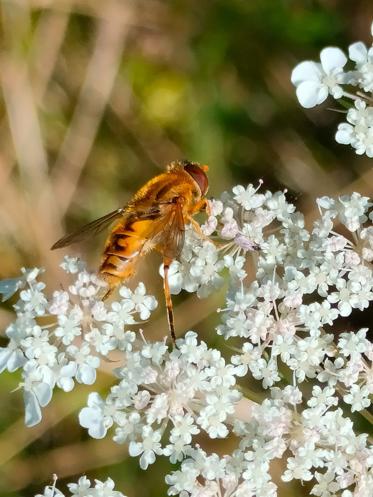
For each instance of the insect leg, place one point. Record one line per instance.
(108, 293)
(202, 205)
(167, 294)
(197, 228)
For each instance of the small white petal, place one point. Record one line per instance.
(332, 58)
(146, 459)
(337, 92)
(68, 369)
(344, 134)
(135, 449)
(97, 431)
(43, 393)
(16, 360)
(32, 409)
(311, 93)
(358, 52)
(95, 400)
(5, 354)
(91, 419)
(306, 71)
(345, 309)
(67, 384)
(86, 375)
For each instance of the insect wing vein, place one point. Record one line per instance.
(89, 230)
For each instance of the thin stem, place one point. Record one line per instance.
(253, 396)
(351, 95)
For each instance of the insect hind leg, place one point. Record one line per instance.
(167, 294)
(107, 294)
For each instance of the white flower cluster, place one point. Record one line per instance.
(321, 443)
(83, 488)
(307, 282)
(288, 328)
(63, 340)
(315, 81)
(177, 393)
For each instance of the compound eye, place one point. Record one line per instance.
(199, 176)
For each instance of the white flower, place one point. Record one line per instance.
(121, 313)
(64, 373)
(106, 489)
(72, 265)
(191, 387)
(347, 296)
(80, 488)
(101, 342)
(34, 299)
(358, 131)
(36, 394)
(286, 311)
(37, 346)
(69, 325)
(148, 447)
(359, 53)
(96, 417)
(87, 286)
(247, 197)
(315, 81)
(60, 302)
(352, 210)
(184, 428)
(322, 398)
(198, 269)
(326, 486)
(51, 491)
(12, 356)
(358, 398)
(316, 315)
(267, 371)
(143, 304)
(86, 363)
(354, 343)
(83, 488)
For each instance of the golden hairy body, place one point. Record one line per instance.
(155, 218)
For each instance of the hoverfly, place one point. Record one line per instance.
(154, 218)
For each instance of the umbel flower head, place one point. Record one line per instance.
(280, 328)
(78, 332)
(343, 78)
(180, 392)
(83, 488)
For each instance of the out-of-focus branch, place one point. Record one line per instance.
(65, 461)
(52, 27)
(41, 215)
(95, 92)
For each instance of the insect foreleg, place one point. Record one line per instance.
(167, 294)
(197, 228)
(202, 205)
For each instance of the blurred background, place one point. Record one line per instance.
(96, 97)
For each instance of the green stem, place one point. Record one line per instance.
(367, 415)
(254, 396)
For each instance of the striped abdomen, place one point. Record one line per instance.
(124, 247)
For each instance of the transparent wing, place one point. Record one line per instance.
(89, 230)
(173, 232)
